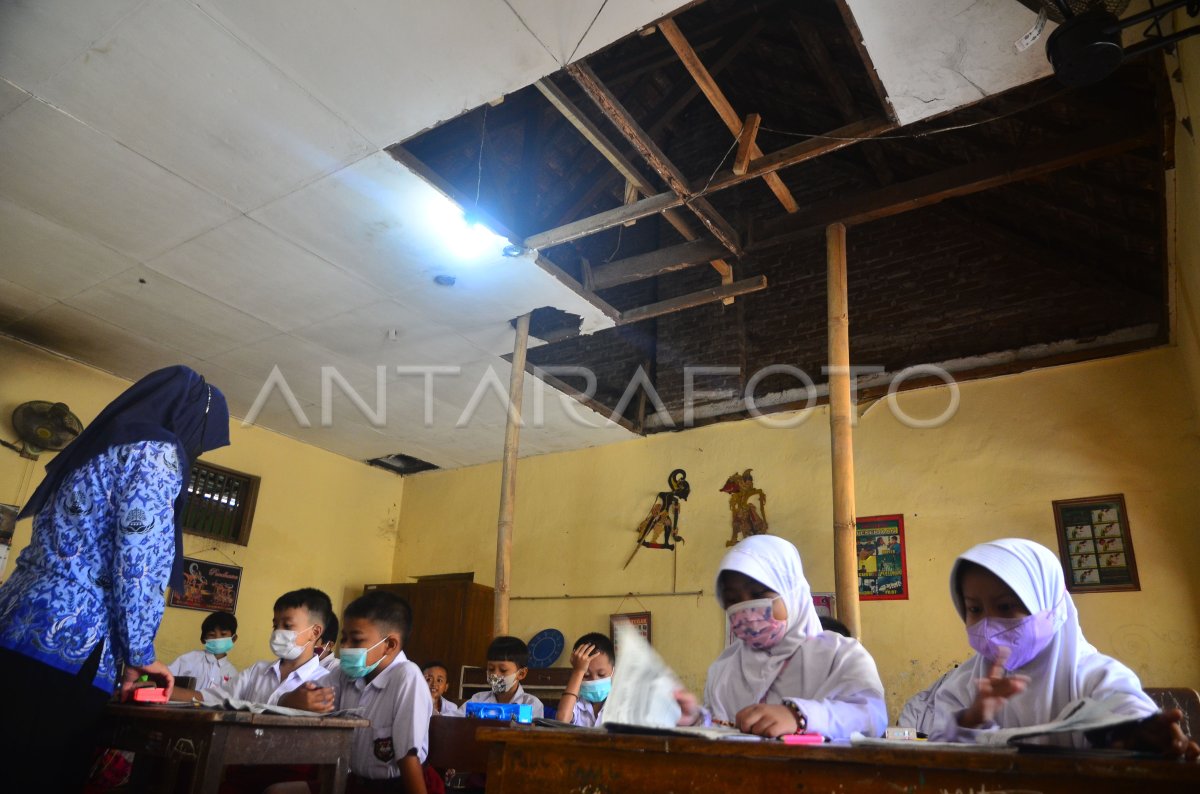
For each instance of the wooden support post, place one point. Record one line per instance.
(746, 143)
(845, 554)
(508, 479)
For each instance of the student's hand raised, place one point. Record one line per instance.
(1159, 733)
(582, 656)
(309, 697)
(994, 691)
(766, 720)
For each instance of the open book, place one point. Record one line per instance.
(642, 699)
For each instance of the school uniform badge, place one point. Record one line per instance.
(384, 750)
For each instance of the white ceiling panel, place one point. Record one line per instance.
(382, 222)
(223, 118)
(148, 303)
(60, 168)
(40, 37)
(17, 302)
(11, 97)
(560, 26)
(249, 267)
(392, 68)
(48, 258)
(240, 391)
(621, 17)
(67, 330)
(936, 55)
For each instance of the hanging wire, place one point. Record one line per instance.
(482, 138)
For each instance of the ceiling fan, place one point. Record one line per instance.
(1086, 47)
(43, 425)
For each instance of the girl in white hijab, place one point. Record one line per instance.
(782, 674)
(1019, 617)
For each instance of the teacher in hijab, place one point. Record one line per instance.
(86, 596)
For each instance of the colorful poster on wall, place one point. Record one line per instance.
(882, 565)
(210, 586)
(1094, 544)
(639, 620)
(824, 602)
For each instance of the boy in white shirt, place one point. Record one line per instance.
(211, 666)
(438, 680)
(507, 666)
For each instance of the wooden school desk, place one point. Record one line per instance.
(542, 760)
(209, 739)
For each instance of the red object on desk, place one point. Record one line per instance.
(150, 694)
(802, 738)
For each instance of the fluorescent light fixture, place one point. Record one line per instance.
(465, 238)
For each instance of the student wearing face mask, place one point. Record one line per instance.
(507, 665)
(210, 666)
(592, 661)
(294, 678)
(1032, 659)
(782, 674)
(325, 649)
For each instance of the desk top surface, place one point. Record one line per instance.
(1082, 763)
(193, 714)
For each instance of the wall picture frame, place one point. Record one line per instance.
(639, 620)
(1095, 546)
(208, 586)
(882, 560)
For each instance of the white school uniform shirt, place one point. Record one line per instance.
(398, 705)
(1069, 668)
(260, 683)
(830, 678)
(521, 697)
(207, 669)
(448, 709)
(331, 663)
(584, 716)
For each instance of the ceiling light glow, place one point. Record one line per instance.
(463, 236)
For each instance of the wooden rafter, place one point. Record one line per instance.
(746, 144)
(840, 138)
(615, 112)
(960, 180)
(693, 299)
(710, 89)
(655, 263)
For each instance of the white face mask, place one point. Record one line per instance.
(283, 644)
(502, 683)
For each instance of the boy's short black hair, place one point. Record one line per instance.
(425, 668)
(386, 610)
(331, 630)
(508, 649)
(319, 607)
(601, 642)
(219, 621)
(834, 625)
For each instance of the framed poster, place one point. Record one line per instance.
(639, 620)
(882, 565)
(1094, 544)
(209, 586)
(824, 602)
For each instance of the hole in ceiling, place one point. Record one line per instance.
(402, 464)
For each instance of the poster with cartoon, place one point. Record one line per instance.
(208, 586)
(1095, 545)
(882, 565)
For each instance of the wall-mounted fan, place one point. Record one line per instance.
(42, 426)
(1086, 47)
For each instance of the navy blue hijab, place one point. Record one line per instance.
(174, 404)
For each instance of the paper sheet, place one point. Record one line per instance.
(263, 708)
(1080, 715)
(643, 687)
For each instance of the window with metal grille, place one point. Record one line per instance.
(219, 503)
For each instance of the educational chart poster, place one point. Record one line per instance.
(882, 567)
(1094, 544)
(209, 586)
(639, 620)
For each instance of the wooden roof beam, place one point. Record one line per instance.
(720, 103)
(615, 112)
(693, 299)
(655, 263)
(963, 180)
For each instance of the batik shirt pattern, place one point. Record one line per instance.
(97, 566)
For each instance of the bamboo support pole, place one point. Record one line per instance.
(841, 433)
(508, 479)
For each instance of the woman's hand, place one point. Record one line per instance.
(764, 720)
(582, 656)
(688, 706)
(156, 670)
(1159, 733)
(994, 691)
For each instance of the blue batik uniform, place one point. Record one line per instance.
(98, 563)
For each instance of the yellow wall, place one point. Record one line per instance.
(322, 520)
(1187, 200)
(1016, 444)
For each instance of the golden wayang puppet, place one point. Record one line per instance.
(746, 519)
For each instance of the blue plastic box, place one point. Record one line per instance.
(507, 712)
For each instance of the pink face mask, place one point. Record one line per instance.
(1022, 638)
(752, 623)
